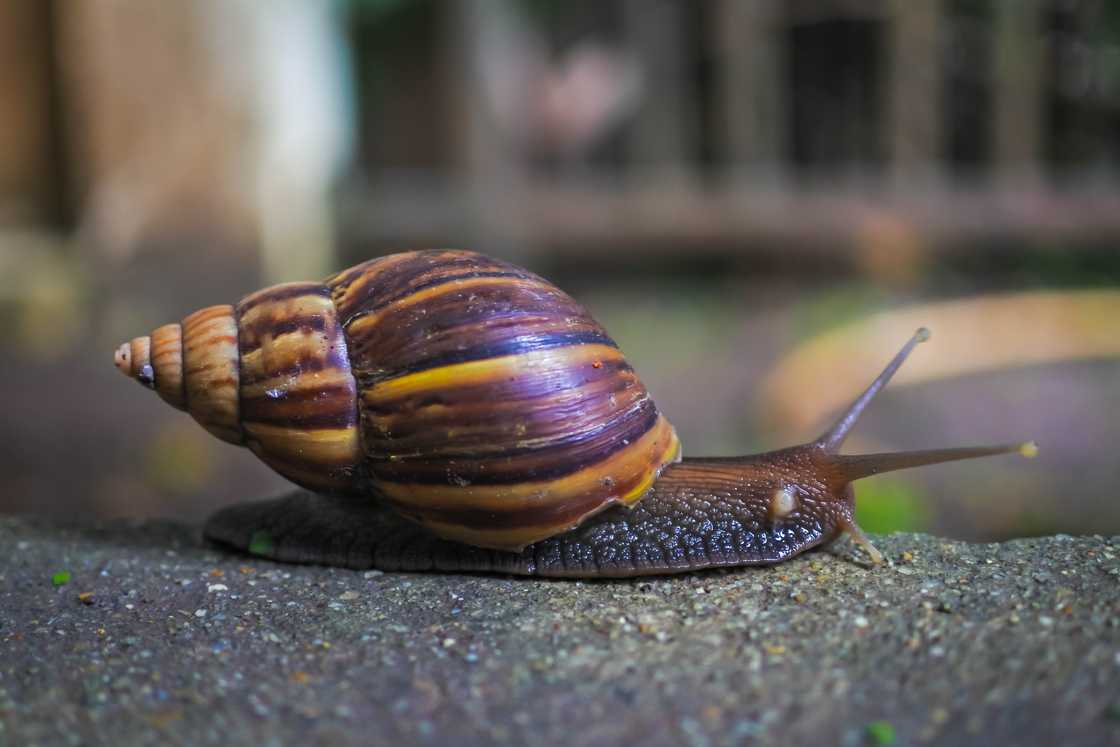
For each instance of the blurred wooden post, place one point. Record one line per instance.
(750, 69)
(29, 190)
(476, 143)
(664, 131)
(914, 90)
(290, 80)
(1016, 77)
(490, 172)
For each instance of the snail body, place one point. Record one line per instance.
(446, 410)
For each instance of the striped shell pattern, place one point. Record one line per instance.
(475, 397)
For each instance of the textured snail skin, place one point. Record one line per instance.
(701, 513)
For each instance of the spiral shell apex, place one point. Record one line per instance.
(473, 396)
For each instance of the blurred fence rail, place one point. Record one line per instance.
(722, 126)
(658, 218)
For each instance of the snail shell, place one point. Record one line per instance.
(475, 397)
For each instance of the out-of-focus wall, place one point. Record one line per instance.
(748, 193)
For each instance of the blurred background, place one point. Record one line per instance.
(760, 200)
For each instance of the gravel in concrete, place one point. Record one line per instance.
(142, 634)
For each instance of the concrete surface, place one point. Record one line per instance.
(157, 638)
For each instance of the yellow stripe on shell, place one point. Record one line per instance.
(360, 325)
(487, 370)
(362, 276)
(658, 447)
(266, 297)
(313, 477)
(303, 382)
(260, 309)
(326, 445)
(278, 353)
(515, 539)
(423, 419)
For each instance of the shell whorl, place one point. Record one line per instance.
(477, 398)
(298, 398)
(495, 410)
(192, 366)
(270, 373)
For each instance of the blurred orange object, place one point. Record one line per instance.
(969, 336)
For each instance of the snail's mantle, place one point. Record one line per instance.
(141, 634)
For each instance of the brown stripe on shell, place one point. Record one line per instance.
(329, 405)
(503, 404)
(469, 320)
(298, 399)
(508, 517)
(282, 292)
(565, 455)
(167, 363)
(310, 458)
(608, 370)
(617, 472)
(435, 283)
(210, 371)
(298, 363)
(381, 282)
(344, 285)
(497, 434)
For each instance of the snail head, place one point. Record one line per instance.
(825, 475)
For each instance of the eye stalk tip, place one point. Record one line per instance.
(1029, 449)
(922, 334)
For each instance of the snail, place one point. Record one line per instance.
(444, 410)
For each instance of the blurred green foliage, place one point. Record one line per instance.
(260, 543)
(838, 306)
(881, 732)
(180, 458)
(885, 505)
